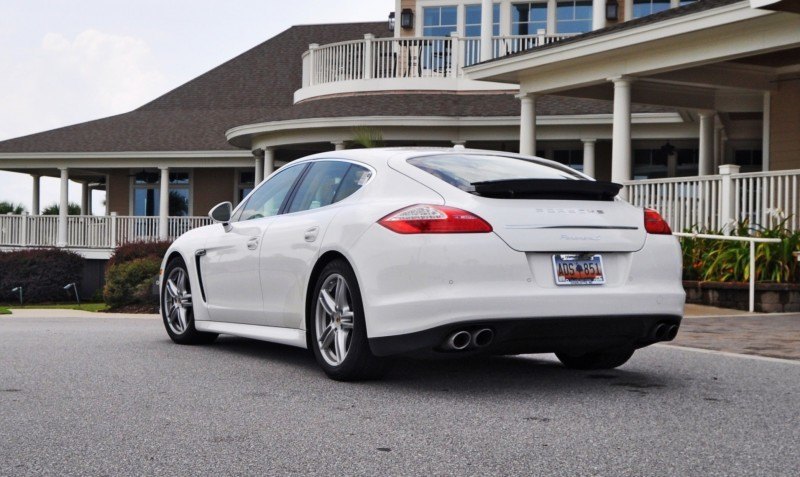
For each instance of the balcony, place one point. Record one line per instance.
(95, 236)
(409, 63)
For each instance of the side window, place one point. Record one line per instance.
(328, 182)
(266, 201)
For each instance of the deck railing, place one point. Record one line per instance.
(763, 199)
(90, 232)
(407, 57)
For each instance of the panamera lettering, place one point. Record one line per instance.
(568, 211)
(593, 238)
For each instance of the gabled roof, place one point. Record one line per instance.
(258, 86)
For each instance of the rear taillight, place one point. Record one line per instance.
(655, 224)
(434, 219)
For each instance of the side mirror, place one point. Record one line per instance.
(221, 213)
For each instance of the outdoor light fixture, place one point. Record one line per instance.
(74, 287)
(668, 149)
(391, 21)
(612, 10)
(18, 289)
(407, 19)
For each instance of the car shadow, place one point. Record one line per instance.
(472, 375)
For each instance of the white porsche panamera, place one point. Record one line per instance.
(365, 254)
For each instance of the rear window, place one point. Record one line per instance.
(463, 171)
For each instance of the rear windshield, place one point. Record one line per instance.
(463, 171)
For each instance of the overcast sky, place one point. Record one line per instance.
(67, 61)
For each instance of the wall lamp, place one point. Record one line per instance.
(391, 21)
(407, 19)
(74, 287)
(18, 289)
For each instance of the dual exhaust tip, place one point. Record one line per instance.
(665, 332)
(461, 340)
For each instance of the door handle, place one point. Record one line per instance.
(311, 234)
(252, 244)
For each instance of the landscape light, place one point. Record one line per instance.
(74, 287)
(18, 289)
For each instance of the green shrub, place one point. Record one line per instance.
(136, 250)
(7, 207)
(42, 274)
(729, 261)
(53, 209)
(132, 282)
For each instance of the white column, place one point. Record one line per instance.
(398, 7)
(598, 14)
(551, 17)
(588, 157)
(338, 145)
(727, 199)
(35, 207)
(84, 198)
(706, 143)
(259, 175)
(674, 3)
(527, 124)
(765, 147)
(628, 13)
(672, 164)
(486, 29)
(621, 136)
(269, 161)
(63, 208)
(163, 204)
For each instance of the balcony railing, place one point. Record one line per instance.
(417, 57)
(763, 199)
(90, 232)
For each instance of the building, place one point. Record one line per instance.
(657, 94)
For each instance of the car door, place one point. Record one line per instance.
(230, 267)
(292, 243)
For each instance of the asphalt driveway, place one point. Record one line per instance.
(98, 396)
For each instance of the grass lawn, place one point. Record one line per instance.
(94, 307)
(4, 311)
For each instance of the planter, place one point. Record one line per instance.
(770, 297)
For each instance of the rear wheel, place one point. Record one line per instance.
(337, 327)
(177, 310)
(604, 359)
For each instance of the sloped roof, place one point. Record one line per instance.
(258, 86)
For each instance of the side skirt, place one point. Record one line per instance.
(287, 336)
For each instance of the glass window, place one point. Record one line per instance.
(749, 159)
(463, 170)
(649, 164)
(569, 157)
(439, 21)
(246, 184)
(327, 182)
(528, 18)
(642, 8)
(573, 16)
(147, 195)
(356, 177)
(266, 201)
(687, 2)
(472, 26)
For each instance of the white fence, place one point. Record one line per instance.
(714, 203)
(90, 232)
(409, 57)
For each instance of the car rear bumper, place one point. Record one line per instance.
(579, 334)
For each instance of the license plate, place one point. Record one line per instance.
(578, 269)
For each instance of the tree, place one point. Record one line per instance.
(7, 207)
(72, 209)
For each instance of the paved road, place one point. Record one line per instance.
(115, 397)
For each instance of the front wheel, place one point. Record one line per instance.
(176, 306)
(604, 359)
(337, 326)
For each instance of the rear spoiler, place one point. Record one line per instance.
(558, 189)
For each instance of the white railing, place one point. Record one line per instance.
(90, 232)
(715, 203)
(408, 57)
(753, 241)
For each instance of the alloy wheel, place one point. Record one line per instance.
(177, 300)
(334, 319)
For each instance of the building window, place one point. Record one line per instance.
(573, 16)
(147, 196)
(472, 28)
(528, 18)
(439, 21)
(751, 160)
(569, 157)
(649, 164)
(688, 162)
(642, 8)
(245, 184)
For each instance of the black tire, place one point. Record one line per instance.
(605, 359)
(359, 363)
(185, 335)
